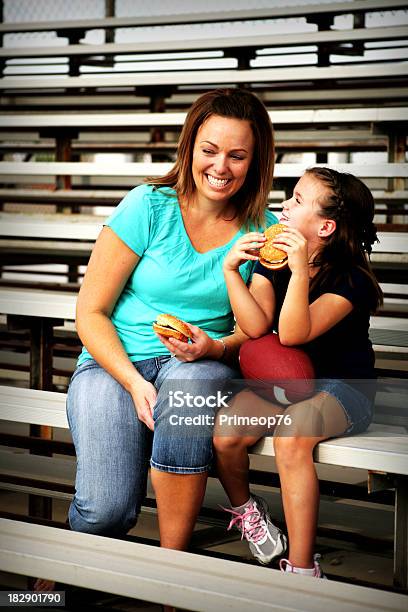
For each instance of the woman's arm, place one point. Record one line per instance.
(109, 268)
(204, 347)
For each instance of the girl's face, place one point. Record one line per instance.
(222, 155)
(301, 210)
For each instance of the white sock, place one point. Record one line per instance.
(306, 571)
(241, 509)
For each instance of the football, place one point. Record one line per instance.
(282, 374)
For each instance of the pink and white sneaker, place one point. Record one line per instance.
(315, 572)
(266, 541)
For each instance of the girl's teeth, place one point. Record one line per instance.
(217, 182)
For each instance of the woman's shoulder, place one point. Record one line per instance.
(270, 219)
(152, 193)
(147, 200)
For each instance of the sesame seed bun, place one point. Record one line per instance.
(269, 256)
(171, 327)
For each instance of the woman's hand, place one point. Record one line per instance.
(245, 248)
(201, 346)
(144, 396)
(295, 245)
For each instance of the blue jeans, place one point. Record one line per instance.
(358, 408)
(113, 447)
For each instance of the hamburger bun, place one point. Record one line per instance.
(269, 256)
(171, 327)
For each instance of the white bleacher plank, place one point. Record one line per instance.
(33, 406)
(66, 227)
(392, 323)
(183, 580)
(391, 242)
(316, 96)
(84, 168)
(376, 449)
(128, 120)
(38, 303)
(226, 42)
(82, 249)
(390, 196)
(135, 169)
(253, 13)
(51, 469)
(88, 196)
(68, 194)
(87, 227)
(393, 288)
(91, 120)
(209, 77)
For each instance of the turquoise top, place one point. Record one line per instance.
(171, 276)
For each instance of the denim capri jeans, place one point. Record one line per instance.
(114, 448)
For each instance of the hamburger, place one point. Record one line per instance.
(269, 255)
(171, 327)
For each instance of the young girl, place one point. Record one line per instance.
(322, 302)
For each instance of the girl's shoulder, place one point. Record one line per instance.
(354, 284)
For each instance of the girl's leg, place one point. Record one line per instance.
(231, 443)
(313, 421)
(250, 514)
(232, 465)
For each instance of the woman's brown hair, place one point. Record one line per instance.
(350, 203)
(251, 200)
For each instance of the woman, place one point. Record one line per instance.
(162, 251)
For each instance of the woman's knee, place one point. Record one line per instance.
(106, 516)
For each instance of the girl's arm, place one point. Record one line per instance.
(253, 307)
(300, 322)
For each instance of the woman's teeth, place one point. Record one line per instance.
(217, 182)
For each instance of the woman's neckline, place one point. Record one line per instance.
(213, 250)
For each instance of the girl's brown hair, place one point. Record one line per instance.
(350, 203)
(251, 200)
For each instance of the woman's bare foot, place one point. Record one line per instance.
(42, 585)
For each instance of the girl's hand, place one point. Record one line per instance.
(295, 245)
(201, 346)
(247, 247)
(144, 396)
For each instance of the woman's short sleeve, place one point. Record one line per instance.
(131, 219)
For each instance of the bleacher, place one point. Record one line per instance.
(337, 94)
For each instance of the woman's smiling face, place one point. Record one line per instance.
(222, 155)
